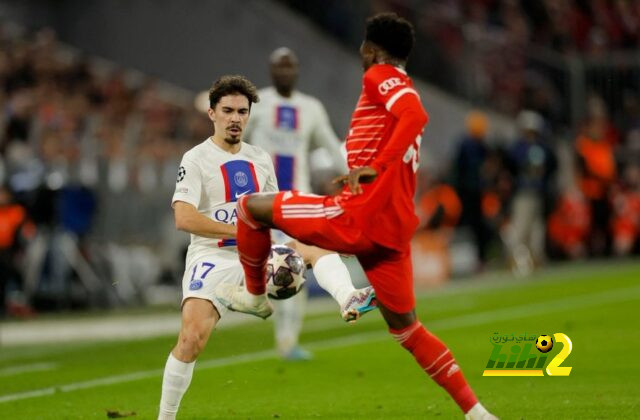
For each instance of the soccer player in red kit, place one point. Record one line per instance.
(373, 218)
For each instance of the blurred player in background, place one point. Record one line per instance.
(374, 216)
(289, 124)
(212, 177)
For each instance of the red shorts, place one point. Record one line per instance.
(317, 220)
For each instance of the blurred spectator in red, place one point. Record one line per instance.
(14, 227)
(597, 172)
(469, 179)
(625, 220)
(598, 122)
(568, 226)
(440, 207)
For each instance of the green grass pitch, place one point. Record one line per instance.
(359, 372)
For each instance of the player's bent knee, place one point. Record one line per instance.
(192, 340)
(309, 253)
(191, 343)
(395, 320)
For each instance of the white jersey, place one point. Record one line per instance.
(288, 129)
(212, 179)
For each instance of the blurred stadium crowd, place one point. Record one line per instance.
(525, 59)
(507, 54)
(88, 158)
(88, 151)
(508, 193)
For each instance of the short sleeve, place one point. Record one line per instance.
(250, 128)
(271, 184)
(188, 183)
(386, 84)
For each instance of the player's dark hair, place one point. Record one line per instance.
(232, 85)
(392, 33)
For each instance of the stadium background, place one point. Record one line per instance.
(98, 108)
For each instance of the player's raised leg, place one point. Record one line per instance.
(333, 276)
(199, 317)
(255, 217)
(254, 245)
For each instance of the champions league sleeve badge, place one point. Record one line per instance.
(181, 173)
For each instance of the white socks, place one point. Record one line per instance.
(478, 412)
(176, 380)
(254, 300)
(287, 320)
(332, 275)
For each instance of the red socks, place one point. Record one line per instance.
(254, 245)
(436, 359)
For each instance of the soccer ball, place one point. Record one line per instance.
(285, 272)
(544, 343)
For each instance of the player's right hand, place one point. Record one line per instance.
(365, 174)
(342, 180)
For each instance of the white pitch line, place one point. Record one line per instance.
(572, 302)
(122, 327)
(35, 367)
(145, 374)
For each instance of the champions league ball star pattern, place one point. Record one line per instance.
(285, 272)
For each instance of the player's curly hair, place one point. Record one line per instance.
(392, 33)
(232, 85)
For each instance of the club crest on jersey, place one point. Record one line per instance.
(389, 84)
(195, 285)
(239, 178)
(287, 117)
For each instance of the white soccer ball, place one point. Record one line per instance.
(285, 272)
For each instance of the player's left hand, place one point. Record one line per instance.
(365, 175)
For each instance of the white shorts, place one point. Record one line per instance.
(204, 274)
(279, 237)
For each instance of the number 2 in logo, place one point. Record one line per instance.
(554, 368)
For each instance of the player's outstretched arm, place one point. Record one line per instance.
(411, 118)
(188, 219)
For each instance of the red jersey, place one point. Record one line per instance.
(385, 134)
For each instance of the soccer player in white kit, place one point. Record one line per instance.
(289, 124)
(211, 177)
